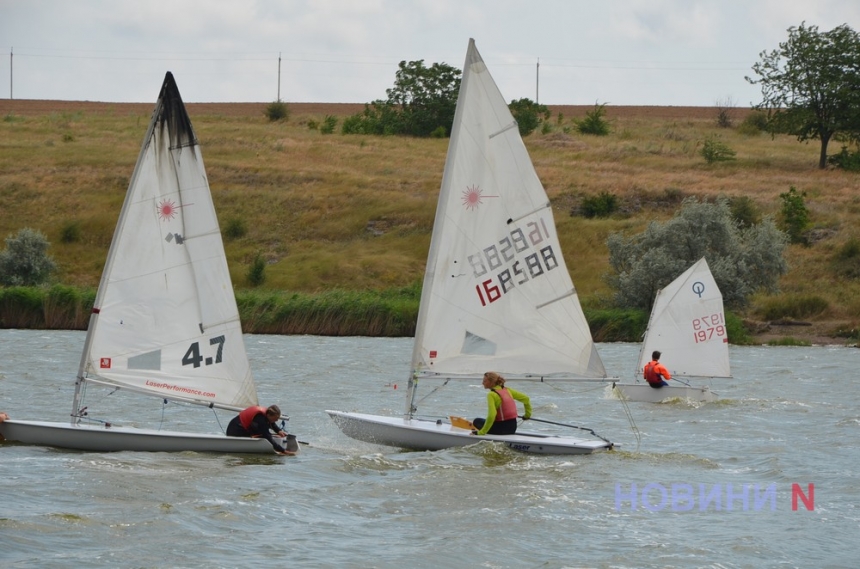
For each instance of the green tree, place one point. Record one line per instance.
(742, 260)
(528, 115)
(422, 100)
(811, 85)
(26, 262)
(594, 122)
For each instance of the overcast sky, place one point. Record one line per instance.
(618, 52)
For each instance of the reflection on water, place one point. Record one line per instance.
(789, 415)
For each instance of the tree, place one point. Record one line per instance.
(811, 85)
(528, 115)
(422, 100)
(742, 259)
(26, 262)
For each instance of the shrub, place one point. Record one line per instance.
(753, 124)
(603, 204)
(846, 260)
(257, 271)
(742, 260)
(594, 123)
(277, 111)
(793, 306)
(235, 228)
(794, 216)
(714, 150)
(70, 232)
(328, 125)
(26, 262)
(846, 160)
(744, 211)
(439, 132)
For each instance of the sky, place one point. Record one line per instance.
(555, 52)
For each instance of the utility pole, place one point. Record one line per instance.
(537, 83)
(11, 49)
(279, 76)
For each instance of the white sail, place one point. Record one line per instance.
(497, 294)
(165, 320)
(688, 326)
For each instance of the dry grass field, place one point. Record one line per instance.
(355, 212)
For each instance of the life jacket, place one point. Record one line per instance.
(246, 417)
(508, 408)
(651, 373)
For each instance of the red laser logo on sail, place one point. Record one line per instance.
(167, 209)
(473, 196)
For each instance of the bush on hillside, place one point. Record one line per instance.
(742, 260)
(26, 262)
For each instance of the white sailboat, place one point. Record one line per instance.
(164, 321)
(497, 294)
(688, 326)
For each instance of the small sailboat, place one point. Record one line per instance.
(688, 326)
(497, 294)
(164, 322)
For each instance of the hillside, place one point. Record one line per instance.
(355, 212)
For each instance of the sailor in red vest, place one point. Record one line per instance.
(656, 373)
(501, 407)
(258, 421)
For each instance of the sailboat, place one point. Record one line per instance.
(497, 294)
(164, 322)
(688, 326)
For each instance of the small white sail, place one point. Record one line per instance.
(165, 319)
(497, 294)
(688, 326)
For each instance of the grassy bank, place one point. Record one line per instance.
(345, 221)
(337, 312)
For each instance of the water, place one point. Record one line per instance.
(791, 416)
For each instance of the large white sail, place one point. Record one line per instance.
(497, 294)
(165, 319)
(688, 326)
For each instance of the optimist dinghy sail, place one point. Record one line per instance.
(164, 321)
(688, 325)
(497, 294)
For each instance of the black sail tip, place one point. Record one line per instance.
(174, 117)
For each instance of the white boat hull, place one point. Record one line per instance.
(420, 434)
(111, 439)
(644, 393)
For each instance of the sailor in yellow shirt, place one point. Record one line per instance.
(501, 407)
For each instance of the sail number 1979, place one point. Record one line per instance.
(707, 327)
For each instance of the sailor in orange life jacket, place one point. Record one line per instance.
(258, 422)
(501, 408)
(655, 372)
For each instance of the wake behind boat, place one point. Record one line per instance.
(688, 325)
(497, 294)
(164, 322)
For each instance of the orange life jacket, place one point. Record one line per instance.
(651, 373)
(508, 408)
(246, 417)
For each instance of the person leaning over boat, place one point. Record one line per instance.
(656, 373)
(501, 407)
(258, 421)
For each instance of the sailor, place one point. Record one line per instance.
(501, 407)
(260, 422)
(656, 373)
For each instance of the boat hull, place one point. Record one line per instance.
(420, 434)
(102, 438)
(647, 394)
